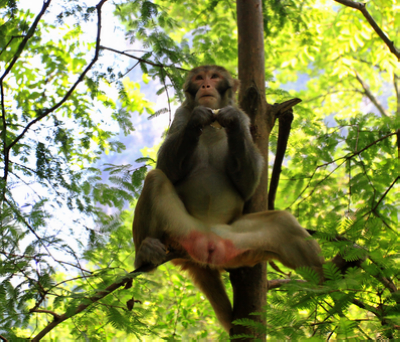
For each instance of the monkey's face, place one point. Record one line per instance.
(207, 84)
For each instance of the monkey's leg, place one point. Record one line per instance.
(159, 212)
(210, 283)
(277, 234)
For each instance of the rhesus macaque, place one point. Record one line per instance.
(193, 201)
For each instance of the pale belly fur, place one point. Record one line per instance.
(210, 196)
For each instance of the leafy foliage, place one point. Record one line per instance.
(65, 232)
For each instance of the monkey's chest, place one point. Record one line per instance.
(210, 196)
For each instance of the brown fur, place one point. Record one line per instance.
(203, 178)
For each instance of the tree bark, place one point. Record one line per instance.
(250, 283)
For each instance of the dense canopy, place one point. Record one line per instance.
(70, 173)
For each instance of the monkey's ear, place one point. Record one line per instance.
(235, 86)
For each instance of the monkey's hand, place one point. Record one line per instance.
(150, 251)
(201, 117)
(229, 117)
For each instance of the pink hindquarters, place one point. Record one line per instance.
(209, 248)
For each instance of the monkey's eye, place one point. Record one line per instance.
(215, 76)
(198, 78)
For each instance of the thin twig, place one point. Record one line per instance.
(169, 100)
(367, 307)
(55, 315)
(9, 42)
(316, 185)
(354, 320)
(4, 136)
(345, 91)
(367, 92)
(28, 226)
(387, 282)
(398, 144)
(363, 149)
(130, 69)
(101, 294)
(141, 60)
(21, 47)
(386, 192)
(362, 8)
(396, 83)
(275, 283)
(335, 160)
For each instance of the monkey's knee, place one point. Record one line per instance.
(156, 174)
(158, 183)
(155, 178)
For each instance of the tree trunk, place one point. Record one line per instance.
(250, 283)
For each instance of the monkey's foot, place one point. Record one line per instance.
(150, 251)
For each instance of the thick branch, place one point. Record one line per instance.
(371, 96)
(72, 89)
(362, 8)
(249, 284)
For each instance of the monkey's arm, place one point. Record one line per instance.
(177, 154)
(244, 163)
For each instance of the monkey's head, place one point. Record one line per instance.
(210, 86)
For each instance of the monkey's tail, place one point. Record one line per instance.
(210, 283)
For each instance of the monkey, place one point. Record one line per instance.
(193, 201)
